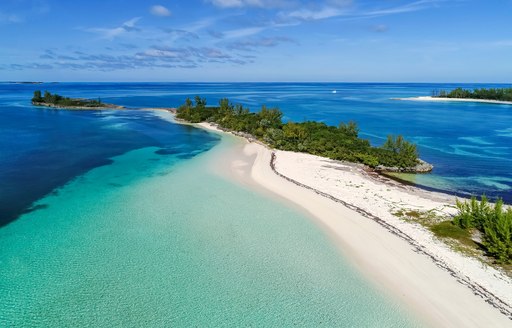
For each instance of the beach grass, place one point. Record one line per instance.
(446, 229)
(456, 238)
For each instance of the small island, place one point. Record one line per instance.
(338, 143)
(58, 101)
(27, 82)
(500, 96)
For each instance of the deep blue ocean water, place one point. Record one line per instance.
(42, 149)
(470, 144)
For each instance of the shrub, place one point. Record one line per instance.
(498, 233)
(340, 143)
(472, 214)
(494, 222)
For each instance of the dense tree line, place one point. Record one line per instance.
(502, 94)
(58, 100)
(339, 143)
(493, 222)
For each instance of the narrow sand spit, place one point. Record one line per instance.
(403, 259)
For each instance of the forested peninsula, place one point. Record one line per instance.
(58, 101)
(497, 94)
(338, 143)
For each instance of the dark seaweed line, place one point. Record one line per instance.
(477, 289)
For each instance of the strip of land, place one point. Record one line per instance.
(103, 106)
(60, 102)
(356, 209)
(467, 100)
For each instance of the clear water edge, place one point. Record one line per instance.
(90, 244)
(468, 143)
(419, 318)
(134, 249)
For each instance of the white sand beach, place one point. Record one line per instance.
(403, 259)
(440, 99)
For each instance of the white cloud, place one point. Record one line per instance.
(251, 44)
(243, 32)
(410, 7)
(324, 13)
(111, 33)
(159, 10)
(346, 8)
(227, 3)
(200, 24)
(130, 25)
(250, 3)
(159, 53)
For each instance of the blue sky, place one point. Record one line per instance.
(256, 40)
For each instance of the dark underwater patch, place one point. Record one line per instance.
(167, 151)
(35, 208)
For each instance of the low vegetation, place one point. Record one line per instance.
(500, 94)
(425, 218)
(339, 143)
(447, 229)
(493, 222)
(463, 240)
(60, 101)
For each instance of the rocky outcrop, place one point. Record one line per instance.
(421, 167)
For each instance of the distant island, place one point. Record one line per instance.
(26, 82)
(338, 143)
(501, 96)
(58, 101)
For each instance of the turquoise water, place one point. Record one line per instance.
(154, 240)
(112, 218)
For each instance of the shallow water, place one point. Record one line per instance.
(113, 218)
(152, 240)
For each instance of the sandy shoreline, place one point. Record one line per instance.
(404, 260)
(440, 99)
(442, 287)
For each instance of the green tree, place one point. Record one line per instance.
(295, 131)
(270, 118)
(48, 97)
(37, 96)
(472, 214)
(398, 152)
(341, 143)
(502, 94)
(498, 233)
(493, 222)
(349, 129)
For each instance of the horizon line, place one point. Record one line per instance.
(291, 82)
